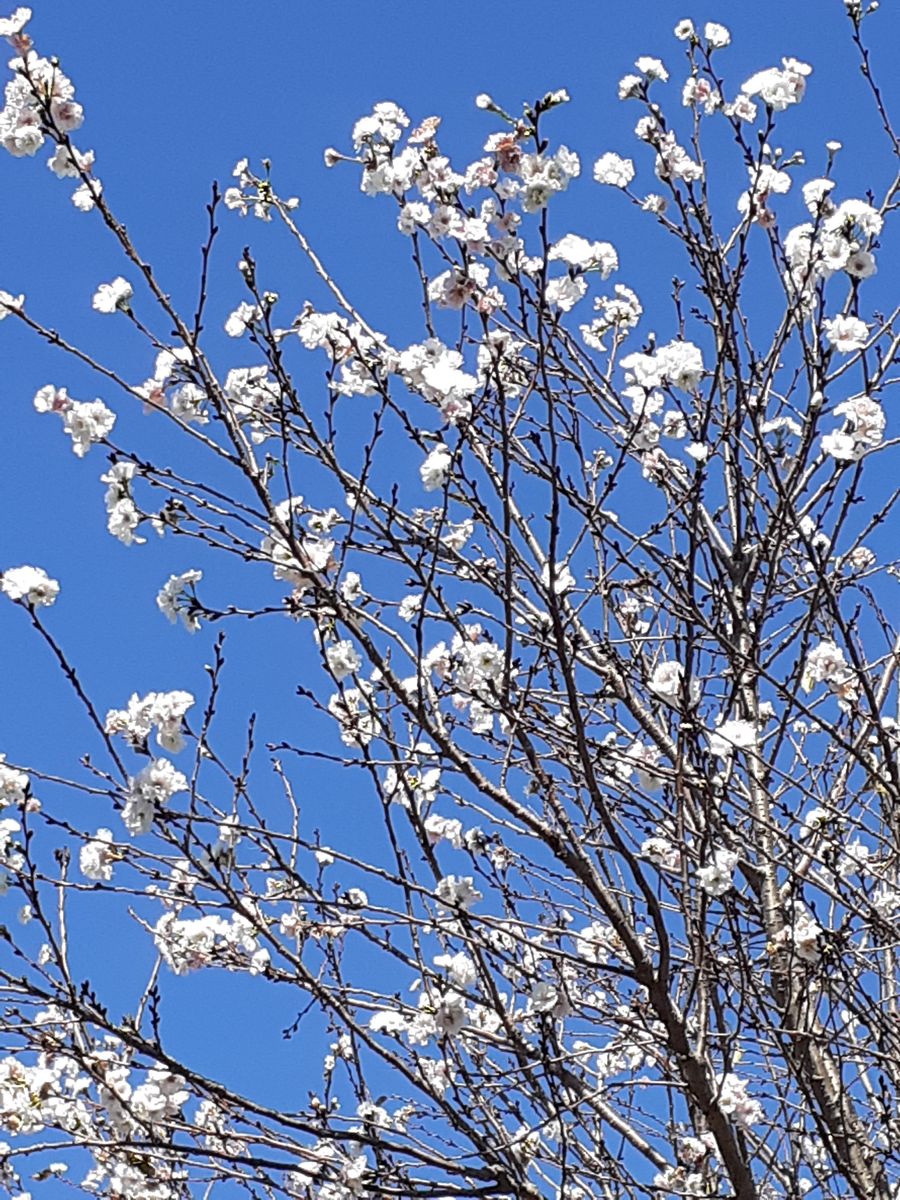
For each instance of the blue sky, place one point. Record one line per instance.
(174, 94)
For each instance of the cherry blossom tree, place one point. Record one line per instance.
(611, 661)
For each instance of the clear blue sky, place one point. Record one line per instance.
(174, 94)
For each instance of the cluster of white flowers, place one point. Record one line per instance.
(10, 854)
(779, 87)
(98, 856)
(460, 286)
(444, 829)
(40, 94)
(343, 659)
(545, 175)
(189, 944)
(826, 663)
(678, 363)
(765, 181)
(164, 710)
(172, 386)
(253, 397)
(355, 711)
(667, 682)
(618, 313)
(176, 599)
(716, 876)
(596, 943)
(151, 789)
(613, 171)
(435, 373)
(839, 241)
(436, 467)
(122, 516)
(29, 584)
(581, 255)
(40, 1095)
(240, 319)
(732, 735)
(85, 421)
(457, 891)
(801, 936)
(356, 354)
(735, 1101)
(308, 552)
(662, 852)
(863, 429)
(532, 178)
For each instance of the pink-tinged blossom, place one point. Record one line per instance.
(699, 93)
(673, 162)
(29, 584)
(735, 1101)
(863, 429)
(741, 108)
(86, 422)
(779, 87)
(846, 334)
(826, 663)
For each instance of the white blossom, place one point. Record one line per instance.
(173, 603)
(613, 171)
(716, 875)
(343, 659)
(31, 584)
(846, 334)
(436, 467)
(112, 296)
(98, 856)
